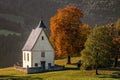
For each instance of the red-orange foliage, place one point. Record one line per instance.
(65, 28)
(117, 29)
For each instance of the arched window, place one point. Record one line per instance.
(27, 56)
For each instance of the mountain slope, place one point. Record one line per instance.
(21, 16)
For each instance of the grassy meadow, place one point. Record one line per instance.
(71, 73)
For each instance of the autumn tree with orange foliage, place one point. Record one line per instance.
(65, 35)
(116, 41)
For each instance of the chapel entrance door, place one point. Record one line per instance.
(43, 64)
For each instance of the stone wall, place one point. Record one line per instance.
(39, 69)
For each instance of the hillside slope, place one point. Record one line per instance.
(31, 11)
(22, 15)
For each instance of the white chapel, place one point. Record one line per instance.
(38, 51)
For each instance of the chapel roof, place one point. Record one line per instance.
(32, 39)
(34, 36)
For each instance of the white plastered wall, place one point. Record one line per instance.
(26, 62)
(42, 45)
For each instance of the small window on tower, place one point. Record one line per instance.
(42, 38)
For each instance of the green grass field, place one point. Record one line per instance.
(72, 73)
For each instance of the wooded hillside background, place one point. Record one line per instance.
(20, 16)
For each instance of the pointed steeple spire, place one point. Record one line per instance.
(41, 24)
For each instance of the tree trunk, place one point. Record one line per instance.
(69, 60)
(96, 71)
(96, 66)
(115, 61)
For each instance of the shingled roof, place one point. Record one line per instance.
(33, 37)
